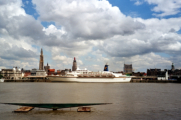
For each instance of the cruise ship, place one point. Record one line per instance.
(84, 75)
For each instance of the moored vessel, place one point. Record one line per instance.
(89, 76)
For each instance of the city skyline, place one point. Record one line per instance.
(145, 33)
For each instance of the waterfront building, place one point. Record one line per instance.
(51, 71)
(41, 63)
(40, 73)
(33, 72)
(74, 67)
(1, 75)
(161, 75)
(62, 72)
(46, 68)
(138, 74)
(153, 72)
(59, 72)
(128, 68)
(27, 73)
(174, 74)
(6, 73)
(13, 74)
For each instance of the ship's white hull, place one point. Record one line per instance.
(89, 79)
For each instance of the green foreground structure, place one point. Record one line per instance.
(56, 106)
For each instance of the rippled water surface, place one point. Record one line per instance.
(130, 101)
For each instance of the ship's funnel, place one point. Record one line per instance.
(106, 68)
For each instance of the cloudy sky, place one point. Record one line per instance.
(146, 33)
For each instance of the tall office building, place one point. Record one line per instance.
(74, 67)
(41, 64)
(128, 68)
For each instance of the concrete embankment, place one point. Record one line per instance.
(153, 81)
(35, 80)
(133, 81)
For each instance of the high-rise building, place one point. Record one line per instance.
(128, 68)
(74, 67)
(41, 64)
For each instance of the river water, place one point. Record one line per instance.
(130, 101)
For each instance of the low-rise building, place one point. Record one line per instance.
(27, 73)
(6, 73)
(59, 72)
(153, 72)
(138, 74)
(64, 72)
(41, 73)
(14, 74)
(51, 71)
(33, 72)
(161, 75)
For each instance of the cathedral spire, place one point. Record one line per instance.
(41, 64)
(41, 51)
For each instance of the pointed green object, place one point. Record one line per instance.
(56, 105)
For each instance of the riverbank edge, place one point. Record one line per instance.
(132, 81)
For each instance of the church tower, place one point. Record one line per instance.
(74, 67)
(172, 67)
(41, 64)
(47, 68)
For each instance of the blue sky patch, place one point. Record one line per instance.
(128, 8)
(30, 8)
(179, 32)
(163, 54)
(46, 24)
